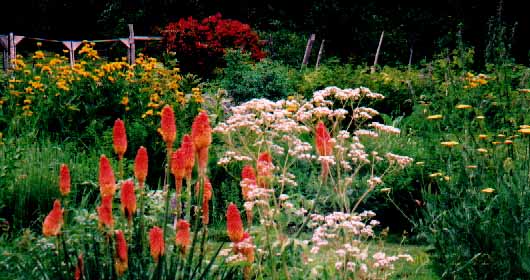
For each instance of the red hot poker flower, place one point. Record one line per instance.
(323, 140)
(54, 221)
(119, 138)
(107, 182)
(105, 212)
(121, 260)
(234, 225)
(156, 242)
(188, 151)
(79, 268)
(64, 180)
(168, 127)
(182, 235)
(265, 168)
(141, 165)
(178, 167)
(128, 199)
(201, 134)
(249, 178)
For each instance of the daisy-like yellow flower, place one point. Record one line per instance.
(525, 131)
(482, 150)
(508, 142)
(480, 117)
(463, 106)
(487, 190)
(434, 117)
(482, 136)
(472, 167)
(434, 175)
(449, 143)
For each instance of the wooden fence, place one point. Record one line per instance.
(8, 44)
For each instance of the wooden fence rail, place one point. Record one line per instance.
(9, 42)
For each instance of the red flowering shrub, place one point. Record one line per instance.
(200, 46)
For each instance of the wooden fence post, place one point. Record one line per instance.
(307, 53)
(5, 53)
(372, 69)
(320, 51)
(71, 46)
(12, 50)
(132, 48)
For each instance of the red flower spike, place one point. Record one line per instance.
(182, 235)
(234, 225)
(323, 140)
(141, 165)
(128, 199)
(168, 127)
(107, 182)
(64, 180)
(105, 212)
(188, 151)
(79, 268)
(119, 138)
(54, 221)
(265, 168)
(121, 260)
(207, 191)
(201, 132)
(249, 178)
(248, 251)
(178, 168)
(156, 242)
(205, 212)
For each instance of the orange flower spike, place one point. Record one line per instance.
(128, 199)
(79, 268)
(121, 260)
(248, 251)
(234, 225)
(182, 235)
(156, 242)
(249, 178)
(168, 127)
(107, 182)
(54, 221)
(178, 168)
(105, 212)
(201, 134)
(323, 140)
(188, 151)
(205, 212)
(207, 191)
(141, 165)
(264, 167)
(119, 138)
(64, 180)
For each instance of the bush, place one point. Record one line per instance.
(245, 80)
(200, 46)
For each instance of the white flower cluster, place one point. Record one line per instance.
(401, 161)
(385, 128)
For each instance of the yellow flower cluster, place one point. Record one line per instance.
(475, 81)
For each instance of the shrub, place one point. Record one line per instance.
(244, 79)
(200, 46)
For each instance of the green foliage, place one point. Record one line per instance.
(244, 79)
(285, 46)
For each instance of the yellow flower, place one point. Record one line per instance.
(480, 117)
(27, 101)
(472, 167)
(449, 143)
(508, 142)
(525, 131)
(487, 190)
(420, 163)
(434, 117)
(496, 143)
(482, 150)
(434, 175)
(125, 101)
(463, 106)
(38, 55)
(386, 190)
(482, 136)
